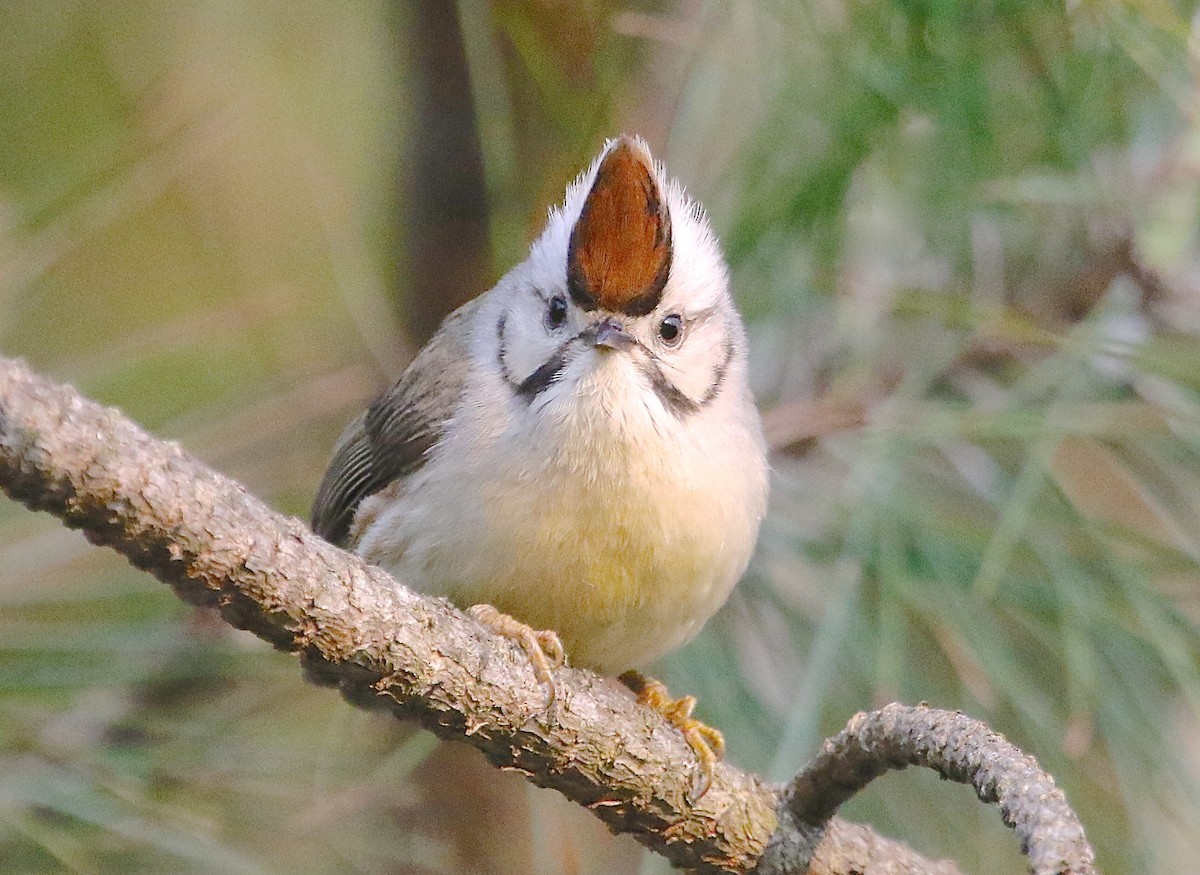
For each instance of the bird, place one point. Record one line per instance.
(575, 457)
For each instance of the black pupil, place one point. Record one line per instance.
(669, 329)
(558, 311)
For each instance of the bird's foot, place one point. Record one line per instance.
(542, 646)
(706, 742)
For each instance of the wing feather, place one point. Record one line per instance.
(391, 438)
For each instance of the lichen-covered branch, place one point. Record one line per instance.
(385, 646)
(960, 749)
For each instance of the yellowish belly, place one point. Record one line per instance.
(622, 540)
(622, 581)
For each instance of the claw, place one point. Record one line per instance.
(541, 646)
(707, 743)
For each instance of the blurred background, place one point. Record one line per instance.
(966, 238)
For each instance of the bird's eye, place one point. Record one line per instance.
(556, 315)
(671, 329)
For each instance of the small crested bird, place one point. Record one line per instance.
(575, 456)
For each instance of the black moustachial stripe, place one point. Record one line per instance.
(549, 373)
(675, 400)
(543, 378)
(672, 398)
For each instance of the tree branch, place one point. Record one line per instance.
(959, 749)
(382, 645)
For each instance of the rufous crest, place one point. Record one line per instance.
(619, 256)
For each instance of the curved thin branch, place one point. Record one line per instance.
(383, 645)
(960, 749)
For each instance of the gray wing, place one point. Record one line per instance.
(390, 438)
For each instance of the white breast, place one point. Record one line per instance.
(603, 517)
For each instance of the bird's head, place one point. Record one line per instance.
(626, 283)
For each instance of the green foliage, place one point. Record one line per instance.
(976, 222)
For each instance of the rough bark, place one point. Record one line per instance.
(959, 749)
(382, 645)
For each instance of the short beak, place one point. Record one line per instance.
(609, 333)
